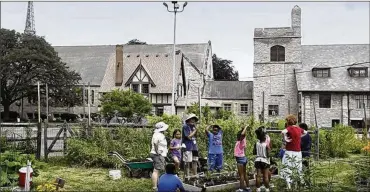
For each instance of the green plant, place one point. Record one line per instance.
(126, 103)
(11, 162)
(47, 187)
(338, 142)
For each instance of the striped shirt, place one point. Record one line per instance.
(261, 152)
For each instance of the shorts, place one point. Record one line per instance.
(241, 160)
(190, 156)
(176, 158)
(215, 161)
(158, 162)
(261, 165)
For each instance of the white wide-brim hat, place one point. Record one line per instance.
(190, 116)
(160, 127)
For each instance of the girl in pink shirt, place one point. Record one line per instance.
(241, 160)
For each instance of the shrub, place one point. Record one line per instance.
(338, 141)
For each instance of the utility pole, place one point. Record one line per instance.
(89, 103)
(83, 100)
(200, 104)
(38, 154)
(317, 132)
(366, 131)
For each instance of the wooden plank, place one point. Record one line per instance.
(54, 141)
(52, 138)
(18, 124)
(20, 139)
(55, 150)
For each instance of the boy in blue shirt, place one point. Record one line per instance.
(169, 182)
(215, 149)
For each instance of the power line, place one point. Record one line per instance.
(308, 71)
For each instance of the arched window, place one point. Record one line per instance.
(277, 53)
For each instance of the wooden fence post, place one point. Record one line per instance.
(65, 138)
(38, 142)
(46, 140)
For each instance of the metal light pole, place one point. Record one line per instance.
(176, 9)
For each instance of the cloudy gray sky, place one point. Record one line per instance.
(229, 25)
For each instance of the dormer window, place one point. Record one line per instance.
(321, 72)
(277, 53)
(358, 72)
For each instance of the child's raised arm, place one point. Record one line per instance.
(244, 131)
(206, 131)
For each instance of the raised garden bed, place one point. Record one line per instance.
(221, 183)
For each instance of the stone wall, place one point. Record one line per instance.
(341, 109)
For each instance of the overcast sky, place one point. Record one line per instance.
(229, 25)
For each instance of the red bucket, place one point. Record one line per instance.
(22, 176)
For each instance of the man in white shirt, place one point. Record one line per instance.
(159, 151)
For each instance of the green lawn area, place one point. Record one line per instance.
(338, 171)
(90, 179)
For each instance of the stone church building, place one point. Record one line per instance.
(321, 84)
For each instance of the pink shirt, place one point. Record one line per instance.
(239, 148)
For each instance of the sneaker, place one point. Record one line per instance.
(267, 190)
(248, 189)
(155, 189)
(240, 190)
(258, 190)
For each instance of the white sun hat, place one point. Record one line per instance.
(190, 116)
(160, 127)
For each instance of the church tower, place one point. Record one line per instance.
(277, 52)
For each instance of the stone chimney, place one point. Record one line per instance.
(119, 65)
(296, 20)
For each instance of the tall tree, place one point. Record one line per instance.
(126, 103)
(25, 60)
(136, 42)
(223, 69)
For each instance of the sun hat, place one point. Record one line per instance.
(160, 127)
(190, 116)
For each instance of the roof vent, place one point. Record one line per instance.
(137, 55)
(157, 55)
(177, 52)
(166, 55)
(146, 55)
(128, 55)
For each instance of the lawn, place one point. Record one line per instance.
(339, 172)
(91, 179)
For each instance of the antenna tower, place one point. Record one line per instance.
(30, 21)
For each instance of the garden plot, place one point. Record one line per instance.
(222, 182)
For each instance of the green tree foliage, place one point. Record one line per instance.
(26, 59)
(126, 103)
(207, 115)
(223, 69)
(136, 42)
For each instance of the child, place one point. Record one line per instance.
(241, 160)
(262, 161)
(175, 147)
(215, 150)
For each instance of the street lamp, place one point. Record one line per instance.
(175, 10)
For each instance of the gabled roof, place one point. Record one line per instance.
(94, 63)
(228, 90)
(140, 66)
(159, 66)
(89, 61)
(338, 58)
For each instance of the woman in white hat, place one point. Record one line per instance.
(191, 149)
(159, 151)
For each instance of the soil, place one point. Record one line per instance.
(206, 182)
